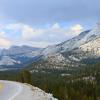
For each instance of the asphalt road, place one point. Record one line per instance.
(9, 90)
(18, 91)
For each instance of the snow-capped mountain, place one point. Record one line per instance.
(76, 42)
(17, 50)
(17, 56)
(6, 60)
(73, 52)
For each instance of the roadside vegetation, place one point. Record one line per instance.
(83, 84)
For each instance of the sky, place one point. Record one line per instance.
(40, 23)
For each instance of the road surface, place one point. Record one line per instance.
(9, 90)
(18, 91)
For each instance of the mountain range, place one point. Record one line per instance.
(17, 56)
(78, 51)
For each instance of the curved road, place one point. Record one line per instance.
(9, 90)
(18, 91)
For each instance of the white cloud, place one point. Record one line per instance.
(2, 34)
(4, 43)
(55, 26)
(29, 32)
(36, 36)
(77, 28)
(15, 26)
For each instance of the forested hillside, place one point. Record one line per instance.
(83, 84)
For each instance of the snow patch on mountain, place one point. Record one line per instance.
(57, 57)
(92, 46)
(73, 51)
(6, 60)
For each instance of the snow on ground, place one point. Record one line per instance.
(33, 93)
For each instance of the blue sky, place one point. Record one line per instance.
(40, 23)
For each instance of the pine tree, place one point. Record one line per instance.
(25, 76)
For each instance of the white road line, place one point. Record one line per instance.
(18, 92)
(18, 88)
